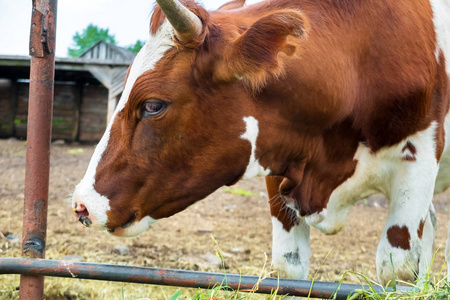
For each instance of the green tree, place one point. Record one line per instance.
(91, 35)
(137, 46)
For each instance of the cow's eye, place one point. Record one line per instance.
(153, 107)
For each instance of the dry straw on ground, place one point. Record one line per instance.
(240, 222)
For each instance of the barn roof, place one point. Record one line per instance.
(103, 62)
(108, 52)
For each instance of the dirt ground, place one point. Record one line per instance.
(239, 223)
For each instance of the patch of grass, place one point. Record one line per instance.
(428, 287)
(60, 122)
(238, 191)
(75, 151)
(224, 292)
(20, 121)
(428, 290)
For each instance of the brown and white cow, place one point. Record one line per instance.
(337, 100)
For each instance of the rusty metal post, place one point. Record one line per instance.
(40, 110)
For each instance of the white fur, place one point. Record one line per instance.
(136, 228)
(290, 250)
(443, 177)
(427, 245)
(251, 134)
(408, 185)
(375, 174)
(447, 252)
(148, 56)
(441, 17)
(316, 218)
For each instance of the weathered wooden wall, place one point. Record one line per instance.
(93, 113)
(6, 108)
(65, 112)
(79, 111)
(21, 116)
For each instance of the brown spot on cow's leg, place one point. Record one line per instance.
(409, 152)
(420, 229)
(399, 237)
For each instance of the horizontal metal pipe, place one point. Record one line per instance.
(181, 278)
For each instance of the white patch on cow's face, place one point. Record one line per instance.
(441, 17)
(251, 134)
(290, 250)
(96, 204)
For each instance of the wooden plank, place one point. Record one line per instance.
(65, 116)
(6, 108)
(65, 112)
(21, 116)
(93, 113)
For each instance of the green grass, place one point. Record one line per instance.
(238, 191)
(426, 290)
(429, 287)
(423, 289)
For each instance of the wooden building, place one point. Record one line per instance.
(86, 92)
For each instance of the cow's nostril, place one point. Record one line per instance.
(80, 210)
(85, 221)
(82, 214)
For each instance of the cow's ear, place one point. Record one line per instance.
(233, 4)
(257, 54)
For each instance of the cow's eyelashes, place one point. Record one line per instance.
(153, 107)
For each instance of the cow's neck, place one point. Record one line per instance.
(306, 138)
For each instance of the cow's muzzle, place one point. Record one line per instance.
(82, 214)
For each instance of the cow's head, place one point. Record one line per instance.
(187, 121)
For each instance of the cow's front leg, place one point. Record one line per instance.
(290, 236)
(406, 246)
(290, 249)
(447, 252)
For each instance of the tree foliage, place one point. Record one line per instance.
(91, 35)
(137, 46)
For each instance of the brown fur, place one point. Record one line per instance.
(320, 76)
(277, 203)
(399, 237)
(412, 149)
(234, 4)
(420, 229)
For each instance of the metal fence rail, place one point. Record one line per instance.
(181, 278)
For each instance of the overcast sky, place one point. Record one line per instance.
(128, 20)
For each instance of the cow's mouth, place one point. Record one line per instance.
(133, 227)
(126, 225)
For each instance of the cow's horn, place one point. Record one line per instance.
(186, 24)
